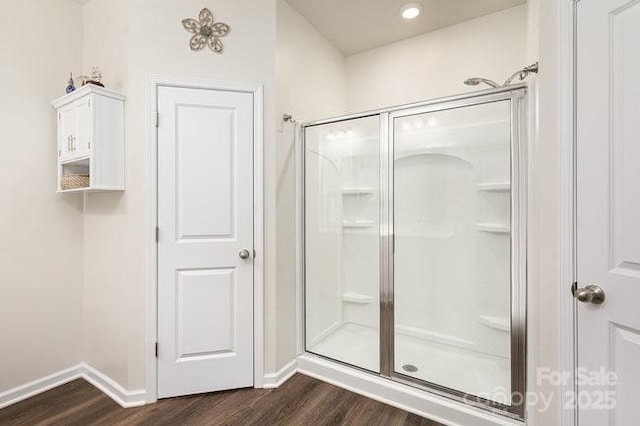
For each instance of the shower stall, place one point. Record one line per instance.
(414, 245)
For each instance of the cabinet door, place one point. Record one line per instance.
(84, 135)
(67, 129)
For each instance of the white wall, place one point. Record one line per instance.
(311, 83)
(424, 67)
(110, 324)
(40, 232)
(42, 311)
(436, 64)
(546, 286)
(154, 42)
(308, 68)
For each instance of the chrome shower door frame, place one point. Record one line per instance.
(516, 97)
(516, 94)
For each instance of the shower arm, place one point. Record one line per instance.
(522, 74)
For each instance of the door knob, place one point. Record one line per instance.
(590, 294)
(244, 254)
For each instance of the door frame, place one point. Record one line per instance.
(567, 349)
(151, 316)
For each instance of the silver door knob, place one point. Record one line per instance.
(244, 254)
(590, 294)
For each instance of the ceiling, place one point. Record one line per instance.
(357, 25)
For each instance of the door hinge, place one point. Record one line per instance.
(156, 349)
(89, 145)
(156, 119)
(89, 103)
(157, 234)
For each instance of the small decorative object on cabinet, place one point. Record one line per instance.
(70, 86)
(90, 140)
(95, 77)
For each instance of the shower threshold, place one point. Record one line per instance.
(450, 366)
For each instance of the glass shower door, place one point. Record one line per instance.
(452, 275)
(414, 255)
(341, 227)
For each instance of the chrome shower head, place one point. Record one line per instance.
(519, 75)
(477, 80)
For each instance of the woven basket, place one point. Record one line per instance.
(74, 181)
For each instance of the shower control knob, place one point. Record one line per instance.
(590, 294)
(244, 254)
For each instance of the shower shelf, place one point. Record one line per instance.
(357, 298)
(358, 224)
(435, 150)
(502, 324)
(365, 190)
(495, 228)
(494, 186)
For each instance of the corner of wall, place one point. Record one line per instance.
(42, 231)
(308, 67)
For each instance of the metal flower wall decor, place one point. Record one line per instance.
(206, 32)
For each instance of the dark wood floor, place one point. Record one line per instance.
(300, 401)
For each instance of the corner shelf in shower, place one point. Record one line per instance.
(358, 224)
(494, 186)
(502, 324)
(494, 228)
(449, 150)
(365, 190)
(357, 298)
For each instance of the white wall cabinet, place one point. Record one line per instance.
(91, 138)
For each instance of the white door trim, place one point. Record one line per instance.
(567, 349)
(256, 89)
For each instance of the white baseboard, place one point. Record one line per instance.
(434, 407)
(43, 384)
(407, 398)
(98, 379)
(112, 389)
(274, 380)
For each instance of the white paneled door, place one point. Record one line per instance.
(608, 212)
(205, 248)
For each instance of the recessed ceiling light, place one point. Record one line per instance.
(410, 10)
